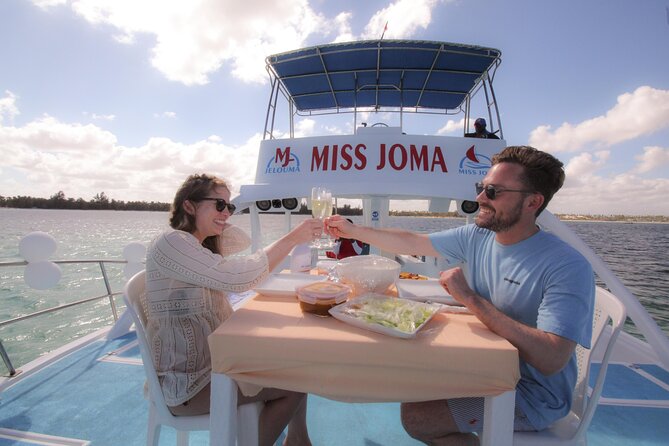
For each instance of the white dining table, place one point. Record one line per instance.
(270, 342)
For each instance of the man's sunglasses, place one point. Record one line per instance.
(221, 204)
(492, 191)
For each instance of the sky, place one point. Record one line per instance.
(128, 97)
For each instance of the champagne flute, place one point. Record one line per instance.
(319, 206)
(329, 207)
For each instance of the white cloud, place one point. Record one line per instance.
(343, 24)
(305, 127)
(404, 18)
(590, 186)
(49, 136)
(584, 164)
(588, 192)
(83, 160)
(452, 127)
(165, 114)
(620, 194)
(46, 4)
(194, 39)
(652, 158)
(642, 112)
(97, 117)
(8, 107)
(336, 130)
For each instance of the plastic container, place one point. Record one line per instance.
(300, 259)
(319, 297)
(368, 274)
(325, 267)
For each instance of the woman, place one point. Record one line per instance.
(190, 271)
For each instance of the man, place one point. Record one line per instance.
(481, 131)
(524, 284)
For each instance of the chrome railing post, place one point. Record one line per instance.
(6, 360)
(110, 294)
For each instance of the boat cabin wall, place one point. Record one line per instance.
(376, 163)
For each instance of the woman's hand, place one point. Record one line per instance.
(308, 230)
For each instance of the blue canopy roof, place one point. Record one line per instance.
(382, 73)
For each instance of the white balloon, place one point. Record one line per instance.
(132, 268)
(42, 275)
(134, 252)
(37, 246)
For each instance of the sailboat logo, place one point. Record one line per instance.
(474, 163)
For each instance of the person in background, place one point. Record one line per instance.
(524, 284)
(190, 271)
(481, 131)
(346, 247)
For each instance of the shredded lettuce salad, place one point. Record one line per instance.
(399, 314)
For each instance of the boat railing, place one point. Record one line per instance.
(643, 321)
(110, 294)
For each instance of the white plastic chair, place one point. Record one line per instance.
(159, 415)
(572, 429)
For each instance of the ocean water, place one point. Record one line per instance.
(637, 253)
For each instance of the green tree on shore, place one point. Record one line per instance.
(99, 202)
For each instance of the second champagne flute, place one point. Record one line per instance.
(319, 205)
(327, 242)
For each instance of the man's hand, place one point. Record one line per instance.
(545, 351)
(455, 284)
(398, 241)
(338, 227)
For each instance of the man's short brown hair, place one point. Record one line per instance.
(542, 172)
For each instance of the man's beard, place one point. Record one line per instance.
(501, 224)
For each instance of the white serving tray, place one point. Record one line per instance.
(340, 312)
(284, 284)
(424, 291)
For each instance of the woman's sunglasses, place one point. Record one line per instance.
(492, 191)
(221, 204)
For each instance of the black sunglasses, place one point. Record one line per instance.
(222, 204)
(492, 191)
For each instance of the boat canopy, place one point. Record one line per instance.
(423, 75)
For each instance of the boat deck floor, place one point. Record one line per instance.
(94, 396)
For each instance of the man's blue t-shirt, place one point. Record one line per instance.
(543, 283)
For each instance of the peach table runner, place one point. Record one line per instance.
(271, 343)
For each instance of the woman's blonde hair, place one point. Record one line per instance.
(195, 188)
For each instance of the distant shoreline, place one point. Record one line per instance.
(358, 211)
(615, 218)
(562, 217)
(623, 219)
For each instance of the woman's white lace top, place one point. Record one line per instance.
(186, 300)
